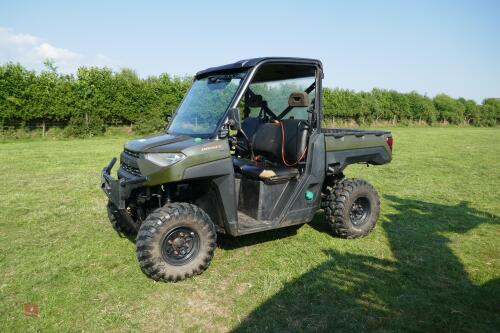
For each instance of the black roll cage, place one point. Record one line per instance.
(249, 94)
(283, 61)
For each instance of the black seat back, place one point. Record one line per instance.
(295, 139)
(250, 126)
(268, 141)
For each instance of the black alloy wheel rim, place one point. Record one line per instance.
(360, 211)
(180, 246)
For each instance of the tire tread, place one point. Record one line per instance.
(152, 225)
(336, 204)
(117, 221)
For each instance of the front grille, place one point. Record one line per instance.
(128, 162)
(131, 153)
(131, 169)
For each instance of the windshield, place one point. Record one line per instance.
(204, 105)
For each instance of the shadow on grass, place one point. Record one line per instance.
(424, 288)
(227, 242)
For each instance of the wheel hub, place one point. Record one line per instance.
(178, 242)
(180, 246)
(360, 210)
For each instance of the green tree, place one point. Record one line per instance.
(97, 96)
(422, 108)
(449, 109)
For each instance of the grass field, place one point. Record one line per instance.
(431, 265)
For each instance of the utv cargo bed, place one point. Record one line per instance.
(340, 132)
(346, 146)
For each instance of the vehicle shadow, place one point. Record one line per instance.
(227, 242)
(425, 287)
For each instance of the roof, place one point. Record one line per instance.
(249, 63)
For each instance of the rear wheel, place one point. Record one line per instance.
(352, 208)
(175, 242)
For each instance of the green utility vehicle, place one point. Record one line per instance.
(245, 152)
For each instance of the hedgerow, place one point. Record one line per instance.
(93, 98)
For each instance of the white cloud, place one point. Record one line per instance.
(46, 50)
(18, 39)
(31, 51)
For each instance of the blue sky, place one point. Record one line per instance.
(428, 46)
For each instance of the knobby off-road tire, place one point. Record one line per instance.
(175, 242)
(118, 222)
(352, 208)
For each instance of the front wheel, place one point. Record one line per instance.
(352, 208)
(118, 221)
(175, 242)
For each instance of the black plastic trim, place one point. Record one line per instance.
(338, 160)
(221, 174)
(249, 63)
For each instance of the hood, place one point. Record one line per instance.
(154, 141)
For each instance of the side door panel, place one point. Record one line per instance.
(300, 209)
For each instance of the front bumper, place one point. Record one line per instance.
(119, 190)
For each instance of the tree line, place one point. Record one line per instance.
(94, 98)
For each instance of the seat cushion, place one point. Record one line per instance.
(268, 173)
(239, 162)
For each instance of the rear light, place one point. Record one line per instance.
(389, 142)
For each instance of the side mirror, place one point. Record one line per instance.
(233, 118)
(169, 119)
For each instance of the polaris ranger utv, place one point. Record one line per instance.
(244, 152)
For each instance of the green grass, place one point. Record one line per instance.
(432, 263)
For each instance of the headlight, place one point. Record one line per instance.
(164, 159)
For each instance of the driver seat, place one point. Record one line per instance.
(283, 159)
(268, 143)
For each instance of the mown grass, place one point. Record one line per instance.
(432, 264)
